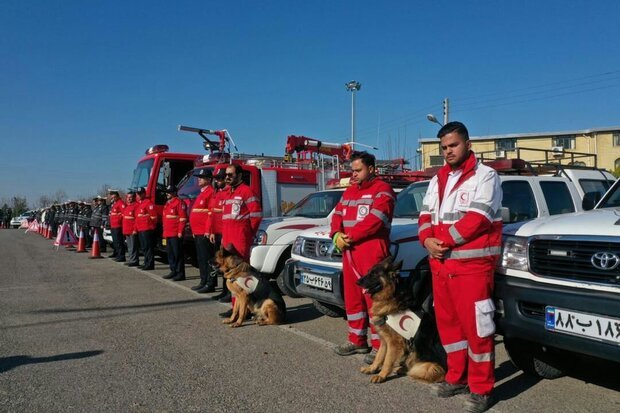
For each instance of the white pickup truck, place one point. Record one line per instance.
(314, 271)
(272, 244)
(558, 288)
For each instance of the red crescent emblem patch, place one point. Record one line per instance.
(246, 282)
(402, 322)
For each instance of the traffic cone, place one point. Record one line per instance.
(95, 253)
(81, 242)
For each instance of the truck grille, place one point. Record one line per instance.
(319, 249)
(572, 259)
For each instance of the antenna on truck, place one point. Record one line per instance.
(210, 145)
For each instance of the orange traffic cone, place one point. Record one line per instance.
(95, 253)
(81, 242)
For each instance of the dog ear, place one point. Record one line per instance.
(387, 262)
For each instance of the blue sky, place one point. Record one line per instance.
(87, 86)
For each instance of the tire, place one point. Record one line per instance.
(329, 310)
(526, 356)
(283, 288)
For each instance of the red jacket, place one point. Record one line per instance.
(364, 213)
(470, 222)
(174, 217)
(216, 206)
(240, 219)
(116, 214)
(146, 216)
(129, 219)
(200, 211)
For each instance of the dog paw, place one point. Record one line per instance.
(226, 321)
(235, 325)
(368, 370)
(377, 379)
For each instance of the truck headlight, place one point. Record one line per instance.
(514, 253)
(297, 245)
(260, 238)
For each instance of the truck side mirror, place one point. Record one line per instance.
(167, 171)
(590, 199)
(505, 211)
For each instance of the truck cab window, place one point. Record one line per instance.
(558, 198)
(520, 201)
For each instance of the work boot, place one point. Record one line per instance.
(226, 299)
(477, 403)
(132, 264)
(445, 389)
(226, 314)
(220, 295)
(197, 287)
(120, 259)
(206, 289)
(370, 357)
(169, 276)
(180, 277)
(349, 348)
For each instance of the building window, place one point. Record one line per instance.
(617, 164)
(616, 138)
(565, 141)
(436, 160)
(506, 144)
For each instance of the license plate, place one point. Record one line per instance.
(591, 326)
(163, 242)
(318, 281)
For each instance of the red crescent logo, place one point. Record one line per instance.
(247, 280)
(402, 321)
(463, 196)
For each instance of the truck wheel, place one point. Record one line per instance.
(329, 310)
(283, 288)
(524, 356)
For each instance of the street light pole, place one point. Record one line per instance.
(353, 86)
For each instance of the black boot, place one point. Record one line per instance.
(222, 294)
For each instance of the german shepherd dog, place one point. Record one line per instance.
(264, 302)
(422, 357)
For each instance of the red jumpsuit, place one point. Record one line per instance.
(129, 219)
(116, 214)
(146, 215)
(364, 213)
(216, 206)
(240, 219)
(200, 211)
(174, 217)
(468, 221)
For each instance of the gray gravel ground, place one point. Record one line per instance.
(93, 335)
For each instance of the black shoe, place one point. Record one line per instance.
(119, 259)
(226, 314)
(445, 389)
(132, 264)
(477, 403)
(169, 276)
(179, 278)
(112, 256)
(147, 268)
(226, 299)
(197, 287)
(220, 295)
(206, 289)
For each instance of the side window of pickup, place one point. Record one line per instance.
(520, 201)
(558, 197)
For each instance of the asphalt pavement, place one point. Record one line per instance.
(78, 334)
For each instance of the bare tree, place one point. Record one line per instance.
(59, 196)
(19, 205)
(44, 201)
(103, 190)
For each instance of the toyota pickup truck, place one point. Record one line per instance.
(558, 288)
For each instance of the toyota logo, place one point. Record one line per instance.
(605, 260)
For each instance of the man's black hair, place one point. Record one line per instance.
(366, 158)
(238, 168)
(450, 127)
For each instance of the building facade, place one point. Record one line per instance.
(591, 147)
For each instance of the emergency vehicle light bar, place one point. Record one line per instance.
(156, 149)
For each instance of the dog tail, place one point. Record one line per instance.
(427, 372)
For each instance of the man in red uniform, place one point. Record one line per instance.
(116, 225)
(174, 218)
(460, 225)
(146, 221)
(241, 214)
(129, 228)
(198, 223)
(360, 228)
(214, 225)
